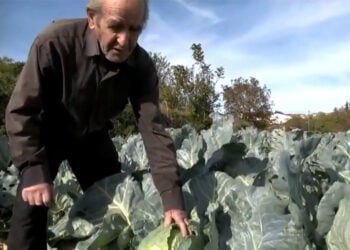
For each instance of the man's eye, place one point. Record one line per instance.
(136, 29)
(116, 27)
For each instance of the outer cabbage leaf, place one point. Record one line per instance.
(8, 186)
(67, 191)
(220, 133)
(253, 218)
(333, 155)
(148, 214)
(339, 236)
(180, 134)
(118, 142)
(191, 151)
(107, 205)
(133, 155)
(328, 207)
(170, 238)
(257, 142)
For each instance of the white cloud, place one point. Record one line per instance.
(200, 12)
(330, 62)
(302, 85)
(151, 37)
(286, 18)
(304, 99)
(314, 12)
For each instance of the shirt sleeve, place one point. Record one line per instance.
(158, 143)
(22, 120)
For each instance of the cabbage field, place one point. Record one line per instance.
(245, 190)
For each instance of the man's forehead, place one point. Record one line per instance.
(124, 10)
(131, 5)
(117, 20)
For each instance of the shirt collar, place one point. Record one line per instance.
(91, 43)
(92, 48)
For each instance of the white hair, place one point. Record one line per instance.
(96, 7)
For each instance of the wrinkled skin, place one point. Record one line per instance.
(118, 27)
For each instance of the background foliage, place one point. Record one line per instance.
(9, 71)
(188, 95)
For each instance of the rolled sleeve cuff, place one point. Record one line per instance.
(33, 175)
(172, 199)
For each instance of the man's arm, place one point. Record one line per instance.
(23, 123)
(159, 146)
(160, 149)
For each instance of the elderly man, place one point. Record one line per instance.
(79, 74)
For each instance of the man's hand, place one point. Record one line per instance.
(180, 218)
(38, 195)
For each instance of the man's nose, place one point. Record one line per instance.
(123, 38)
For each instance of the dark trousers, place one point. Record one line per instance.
(91, 158)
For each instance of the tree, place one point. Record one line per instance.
(346, 106)
(124, 124)
(187, 94)
(9, 72)
(203, 95)
(297, 122)
(248, 102)
(171, 95)
(333, 122)
(163, 67)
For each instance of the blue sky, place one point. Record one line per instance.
(299, 49)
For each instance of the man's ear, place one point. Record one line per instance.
(91, 18)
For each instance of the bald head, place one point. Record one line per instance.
(97, 6)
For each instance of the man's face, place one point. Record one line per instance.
(118, 27)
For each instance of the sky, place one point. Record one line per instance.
(299, 49)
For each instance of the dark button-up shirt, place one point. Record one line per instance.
(67, 84)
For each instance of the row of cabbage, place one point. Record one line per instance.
(245, 189)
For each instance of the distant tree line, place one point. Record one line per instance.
(188, 95)
(338, 120)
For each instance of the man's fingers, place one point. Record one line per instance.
(167, 219)
(183, 224)
(188, 226)
(38, 200)
(180, 220)
(30, 199)
(183, 227)
(24, 195)
(38, 195)
(46, 198)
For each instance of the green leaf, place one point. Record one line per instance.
(170, 239)
(339, 235)
(156, 239)
(107, 205)
(253, 218)
(191, 151)
(133, 155)
(148, 214)
(220, 133)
